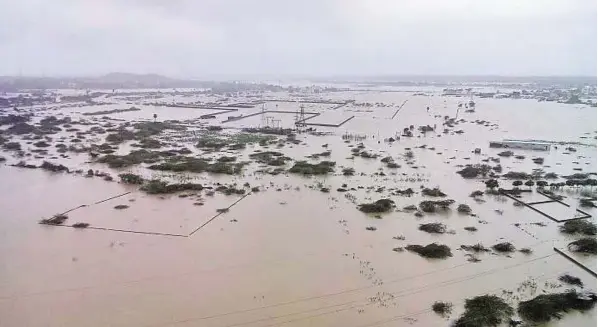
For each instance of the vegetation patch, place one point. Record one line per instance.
(475, 248)
(121, 207)
(484, 311)
(525, 250)
(393, 165)
(55, 220)
(504, 247)
(571, 280)
(380, 206)
(157, 186)
(470, 229)
(53, 167)
(270, 158)
(545, 307)
(318, 155)
(584, 245)
(239, 140)
(305, 168)
(348, 171)
(12, 146)
(148, 143)
(464, 208)
(226, 159)
(129, 178)
(133, 158)
(198, 165)
(432, 250)
(517, 175)
(435, 192)
(80, 225)
(442, 308)
(120, 136)
(435, 206)
(229, 190)
(150, 128)
(475, 171)
(434, 228)
(579, 226)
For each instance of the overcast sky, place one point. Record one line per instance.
(209, 38)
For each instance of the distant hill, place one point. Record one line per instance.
(115, 80)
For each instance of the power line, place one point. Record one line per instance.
(417, 290)
(422, 289)
(381, 322)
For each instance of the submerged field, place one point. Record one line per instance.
(184, 220)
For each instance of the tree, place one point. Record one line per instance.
(155, 116)
(529, 183)
(492, 183)
(517, 183)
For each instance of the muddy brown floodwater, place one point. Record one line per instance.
(296, 251)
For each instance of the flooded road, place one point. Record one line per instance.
(297, 252)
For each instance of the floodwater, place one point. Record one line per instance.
(291, 255)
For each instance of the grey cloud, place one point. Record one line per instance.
(206, 38)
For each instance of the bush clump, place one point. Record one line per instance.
(579, 226)
(133, 158)
(434, 228)
(120, 136)
(517, 175)
(587, 203)
(504, 247)
(382, 205)
(129, 178)
(198, 165)
(305, 168)
(348, 171)
(432, 250)
(584, 245)
(442, 308)
(484, 311)
(229, 190)
(475, 171)
(12, 146)
(53, 167)
(464, 208)
(55, 220)
(270, 158)
(544, 307)
(80, 225)
(571, 280)
(157, 186)
(435, 192)
(470, 229)
(476, 194)
(475, 248)
(433, 206)
(525, 250)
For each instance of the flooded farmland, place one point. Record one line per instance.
(197, 209)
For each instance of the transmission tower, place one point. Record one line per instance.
(264, 118)
(300, 118)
